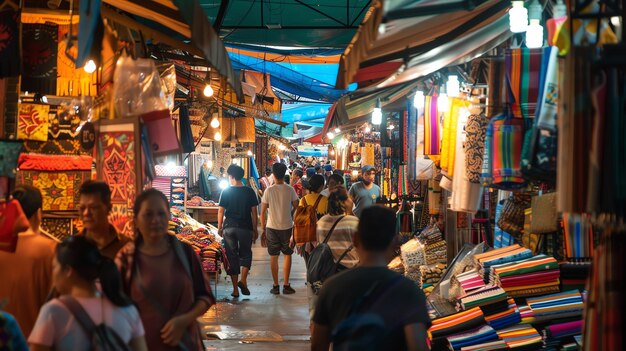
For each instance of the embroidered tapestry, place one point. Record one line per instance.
(54, 147)
(59, 189)
(61, 228)
(10, 43)
(39, 55)
(33, 122)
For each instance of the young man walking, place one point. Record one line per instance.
(281, 200)
(365, 192)
(237, 223)
(94, 208)
(373, 289)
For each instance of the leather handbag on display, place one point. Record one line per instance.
(512, 216)
(545, 218)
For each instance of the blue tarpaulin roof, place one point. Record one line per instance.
(309, 114)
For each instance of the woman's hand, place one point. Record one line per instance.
(173, 331)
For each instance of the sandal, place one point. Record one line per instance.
(234, 295)
(244, 288)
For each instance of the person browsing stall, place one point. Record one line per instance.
(364, 193)
(94, 209)
(164, 277)
(373, 289)
(237, 223)
(277, 208)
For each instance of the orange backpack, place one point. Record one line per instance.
(305, 223)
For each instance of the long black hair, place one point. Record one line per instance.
(83, 256)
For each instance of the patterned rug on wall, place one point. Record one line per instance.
(59, 189)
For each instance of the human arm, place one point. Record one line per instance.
(415, 335)
(263, 223)
(138, 344)
(220, 219)
(320, 340)
(255, 224)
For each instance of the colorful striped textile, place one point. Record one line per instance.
(527, 314)
(498, 345)
(470, 281)
(488, 295)
(503, 255)
(474, 336)
(534, 264)
(578, 236)
(523, 74)
(403, 180)
(486, 176)
(561, 305)
(521, 336)
(432, 129)
(506, 318)
(456, 323)
(530, 277)
(506, 152)
(557, 334)
(450, 135)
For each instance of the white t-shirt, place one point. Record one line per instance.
(279, 198)
(57, 328)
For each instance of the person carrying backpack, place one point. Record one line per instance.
(82, 317)
(311, 207)
(371, 307)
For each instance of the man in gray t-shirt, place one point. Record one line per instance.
(365, 192)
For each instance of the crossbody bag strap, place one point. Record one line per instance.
(79, 313)
(332, 229)
(344, 254)
(317, 202)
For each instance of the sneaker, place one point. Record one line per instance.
(287, 289)
(275, 290)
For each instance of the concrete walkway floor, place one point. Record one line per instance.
(287, 316)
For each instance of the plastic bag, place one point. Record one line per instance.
(137, 88)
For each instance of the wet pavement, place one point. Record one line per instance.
(262, 315)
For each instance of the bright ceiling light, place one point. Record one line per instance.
(90, 66)
(534, 34)
(215, 122)
(337, 130)
(208, 90)
(250, 153)
(391, 127)
(217, 136)
(282, 147)
(223, 184)
(453, 85)
(377, 114)
(418, 100)
(368, 129)
(330, 135)
(518, 17)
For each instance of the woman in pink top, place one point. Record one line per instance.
(76, 267)
(164, 277)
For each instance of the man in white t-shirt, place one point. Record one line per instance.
(281, 200)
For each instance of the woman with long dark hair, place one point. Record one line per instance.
(164, 278)
(77, 266)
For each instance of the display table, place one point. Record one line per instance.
(204, 214)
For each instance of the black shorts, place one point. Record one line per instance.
(278, 241)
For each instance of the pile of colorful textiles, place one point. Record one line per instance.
(568, 304)
(557, 334)
(444, 327)
(470, 281)
(474, 336)
(413, 257)
(497, 345)
(396, 265)
(521, 337)
(527, 314)
(431, 275)
(434, 245)
(502, 314)
(503, 255)
(487, 296)
(534, 276)
(197, 201)
(574, 275)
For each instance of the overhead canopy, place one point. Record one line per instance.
(405, 39)
(186, 18)
(324, 23)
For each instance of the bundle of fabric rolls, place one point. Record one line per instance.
(534, 276)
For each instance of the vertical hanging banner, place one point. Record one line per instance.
(33, 122)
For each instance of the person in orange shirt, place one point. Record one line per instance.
(26, 274)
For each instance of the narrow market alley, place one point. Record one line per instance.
(245, 322)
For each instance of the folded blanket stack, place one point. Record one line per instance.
(503, 255)
(470, 281)
(412, 254)
(527, 314)
(500, 319)
(497, 345)
(521, 337)
(431, 275)
(457, 323)
(436, 252)
(529, 277)
(474, 336)
(484, 297)
(568, 304)
(556, 335)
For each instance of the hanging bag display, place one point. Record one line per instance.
(512, 217)
(544, 218)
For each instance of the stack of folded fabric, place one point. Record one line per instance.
(527, 314)
(556, 335)
(498, 345)
(470, 281)
(412, 254)
(487, 296)
(499, 318)
(471, 337)
(506, 254)
(396, 265)
(574, 275)
(436, 252)
(568, 304)
(534, 276)
(521, 337)
(431, 275)
(453, 324)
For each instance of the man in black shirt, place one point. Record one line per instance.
(237, 223)
(397, 300)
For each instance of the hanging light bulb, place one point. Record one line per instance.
(534, 32)
(518, 17)
(90, 66)
(368, 129)
(453, 86)
(391, 127)
(330, 135)
(208, 90)
(560, 9)
(443, 103)
(282, 147)
(250, 153)
(377, 114)
(418, 100)
(217, 136)
(337, 130)
(215, 122)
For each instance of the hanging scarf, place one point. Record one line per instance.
(523, 69)
(508, 134)
(432, 129)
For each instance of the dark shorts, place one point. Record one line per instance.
(278, 241)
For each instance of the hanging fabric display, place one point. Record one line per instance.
(39, 54)
(423, 164)
(10, 48)
(486, 176)
(476, 130)
(434, 197)
(33, 122)
(523, 70)
(466, 196)
(507, 139)
(367, 152)
(432, 129)
(186, 135)
(403, 180)
(501, 238)
(412, 136)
